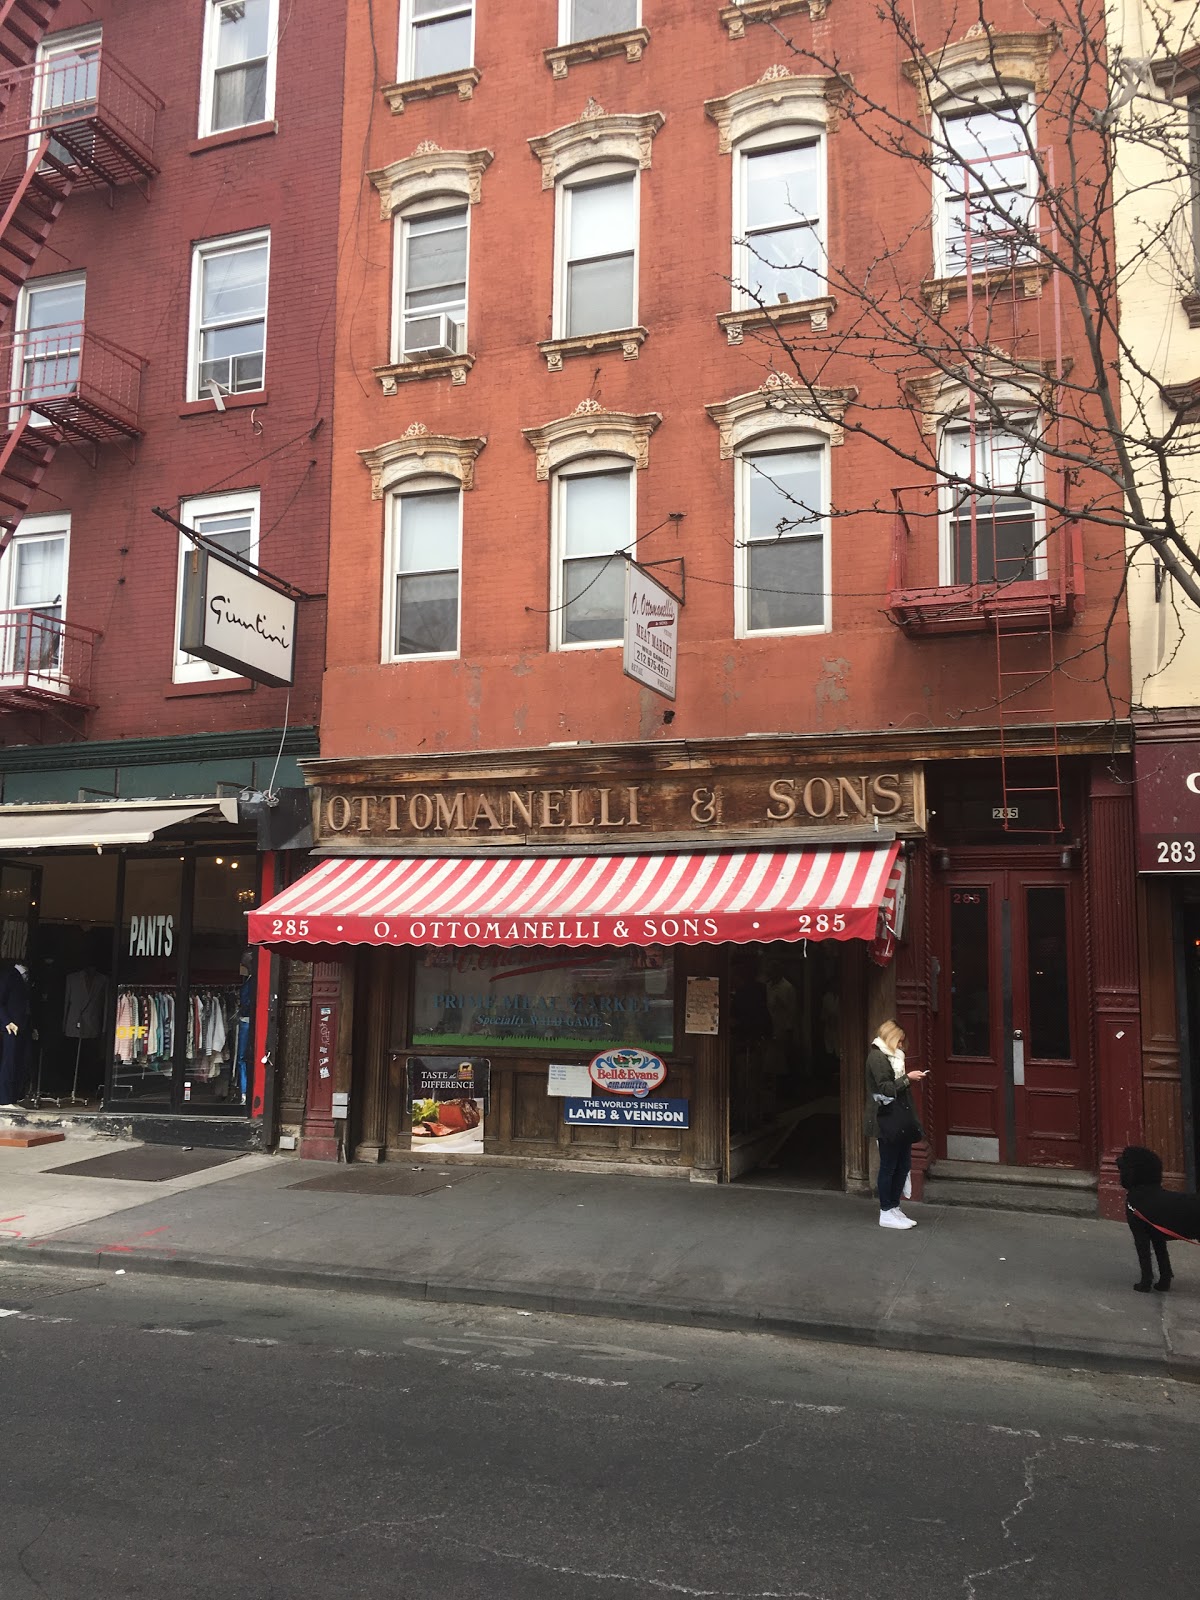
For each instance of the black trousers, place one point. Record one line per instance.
(895, 1163)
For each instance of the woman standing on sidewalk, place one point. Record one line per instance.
(889, 1101)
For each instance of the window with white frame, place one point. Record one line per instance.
(230, 522)
(33, 596)
(597, 277)
(66, 82)
(421, 610)
(592, 19)
(985, 186)
(992, 522)
(435, 36)
(593, 520)
(430, 316)
(49, 338)
(779, 220)
(783, 541)
(229, 315)
(238, 77)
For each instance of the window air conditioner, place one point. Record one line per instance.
(439, 335)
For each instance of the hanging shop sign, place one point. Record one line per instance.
(615, 1112)
(627, 1071)
(448, 1099)
(651, 632)
(1167, 789)
(666, 806)
(235, 620)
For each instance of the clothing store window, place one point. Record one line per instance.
(218, 979)
(148, 981)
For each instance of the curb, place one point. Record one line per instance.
(577, 1302)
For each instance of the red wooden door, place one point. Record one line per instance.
(1011, 1075)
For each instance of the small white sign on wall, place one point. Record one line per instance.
(569, 1080)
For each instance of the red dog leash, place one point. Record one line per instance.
(1158, 1227)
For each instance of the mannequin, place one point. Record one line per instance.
(84, 1005)
(15, 1034)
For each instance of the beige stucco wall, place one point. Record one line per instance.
(1154, 251)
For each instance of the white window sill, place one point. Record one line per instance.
(432, 655)
(785, 633)
(398, 372)
(630, 44)
(1028, 276)
(628, 341)
(587, 644)
(755, 318)
(736, 17)
(462, 82)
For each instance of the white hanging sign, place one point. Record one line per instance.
(236, 620)
(651, 631)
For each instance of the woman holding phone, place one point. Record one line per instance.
(892, 1120)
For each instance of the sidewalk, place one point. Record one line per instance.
(997, 1284)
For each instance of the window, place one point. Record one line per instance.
(422, 615)
(68, 74)
(229, 315)
(49, 340)
(592, 19)
(34, 594)
(992, 531)
(431, 311)
(986, 187)
(778, 220)
(435, 36)
(598, 274)
(229, 521)
(783, 555)
(593, 520)
(238, 87)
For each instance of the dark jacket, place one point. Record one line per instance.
(880, 1080)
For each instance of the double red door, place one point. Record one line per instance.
(1012, 1072)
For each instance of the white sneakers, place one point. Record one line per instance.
(895, 1219)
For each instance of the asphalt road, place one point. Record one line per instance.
(173, 1441)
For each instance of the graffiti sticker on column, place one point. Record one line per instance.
(628, 1071)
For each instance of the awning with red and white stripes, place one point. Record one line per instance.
(739, 897)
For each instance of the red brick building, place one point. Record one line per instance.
(167, 318)
(597, 298)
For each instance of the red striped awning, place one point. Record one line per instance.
(737, 897)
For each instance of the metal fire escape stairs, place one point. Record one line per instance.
(23, 25)
(1001, 317)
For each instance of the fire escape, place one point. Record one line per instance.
(999, 552)
(78, 120)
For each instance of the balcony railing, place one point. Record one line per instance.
(101, 115)
(82, 383)
(44, 660)
(1048, 580)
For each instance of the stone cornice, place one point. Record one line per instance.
(1005, 387)
(984, 59)
(628, 341)
(735, 17)
(630, 44)
(596, 136)
(417, 453)
(429, 171)
(462, 83)
(759, 319)
(592, 431)
(778, 97)
(397, 372)
(782, 403)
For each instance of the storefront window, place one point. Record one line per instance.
(970, 973)
(148, 955)
(217, 1065)
(544, 999)
(16, 910)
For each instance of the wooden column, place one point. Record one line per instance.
(400, 982)
(856, 1027)
(1162, 1081)
(709, 1112)
(912, 1001)
(331, 1022)
(1111, 882)
(371, 1055)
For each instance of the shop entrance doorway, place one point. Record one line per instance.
(785, 1078)
(1012, 1069)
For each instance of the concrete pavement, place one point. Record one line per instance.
(1056, 1291)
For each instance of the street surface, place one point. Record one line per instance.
(171, 1440)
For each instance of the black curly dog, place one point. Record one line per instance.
(1155, 1214)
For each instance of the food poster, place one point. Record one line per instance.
(448, 1100)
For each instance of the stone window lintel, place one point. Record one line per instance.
(984, 59)
(596, 136)
(590, 430)
(430, 171)
(776, 98)
(630, 44)
(781, 403)
(736, 17)
(419, 452)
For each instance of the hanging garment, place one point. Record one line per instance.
(84, 1004)
(14, 1045)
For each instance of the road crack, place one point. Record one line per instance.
(1025, 1498)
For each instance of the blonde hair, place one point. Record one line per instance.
(890, 1034)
